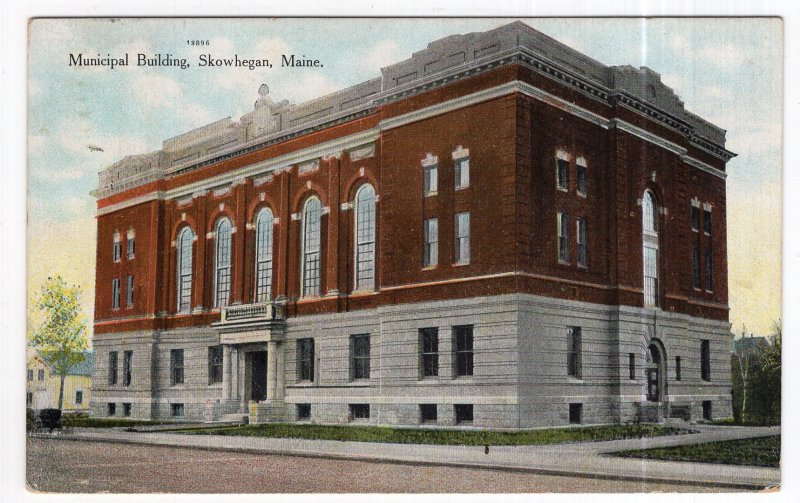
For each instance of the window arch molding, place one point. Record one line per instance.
(364, 237)
(264, 242)
(311, 246)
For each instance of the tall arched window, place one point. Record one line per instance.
(312, 214)
(650, 248)
(264, 255)
(222, 263)
(184, 269)
(365, 238)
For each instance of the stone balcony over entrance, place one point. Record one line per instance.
(248, 323)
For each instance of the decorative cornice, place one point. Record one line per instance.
(152, 196)
(648, 136)
(691, 161)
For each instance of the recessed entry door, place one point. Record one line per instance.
(258, 384)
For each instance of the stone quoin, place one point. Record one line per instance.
(497, 232)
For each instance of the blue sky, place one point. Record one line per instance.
(726, 70)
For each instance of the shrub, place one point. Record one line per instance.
(51, 418)
(30, 419)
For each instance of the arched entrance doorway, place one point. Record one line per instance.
(655, 372)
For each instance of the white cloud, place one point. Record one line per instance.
(271, 48)
(382, 54)
(312, 85)
(721, 55)
(156, 90)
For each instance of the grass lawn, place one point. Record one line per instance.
(443, 436)
(762, 451)
(103, 422)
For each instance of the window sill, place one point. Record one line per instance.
(562, 189)
(462, 188)
(562, 262)
(303, 384)
(695, 230)
(583, 266)
(581, 194)
(575, 380)
(431, 194)
(356, 293)
(460, 264)
(215, 385)
(430, 267)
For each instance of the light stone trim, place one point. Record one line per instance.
(346, 206)
(261, 180)
(430, 160)
(401, 400)
(707, 207)
(695, 202)
(152, 196)
(362, 153)
(499, 275)
(296, 217)
(648, 136)
(308, 167)
(691, 161)
(281, 162)
(460, 153)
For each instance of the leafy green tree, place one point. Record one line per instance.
(60, 338)
(765, 386)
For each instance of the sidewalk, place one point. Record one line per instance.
(581, 459)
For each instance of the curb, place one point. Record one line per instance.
(456, 464)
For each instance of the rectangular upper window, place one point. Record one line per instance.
(462, 173)
(129, 291)
(580, 179)
(359, 356)
(431, 179)
(429, 351)
(40, 375)
(215, 364)
(707, 222)
(30, 374)
(574, 352)
(695, 219)
(696, 267)
(562, 230)
(583, 250)
(430, 252)
(705, 360)
(131, 245)
(112, 368)
(562, 174)
(176, 366)
(463, 352)
(78, 397)
(709, 271)
(127, 368)
(116, 252)
(677, 368)
(305, 359)
(115, 293)
(462, 238)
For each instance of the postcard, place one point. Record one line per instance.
(393, 255)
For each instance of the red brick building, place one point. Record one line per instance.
(498, 231)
